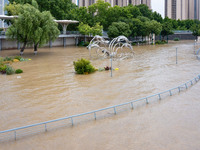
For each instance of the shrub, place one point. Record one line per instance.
(17, 57)
(18, 71)
(9, 70)
(160, 42)
(1, 59)
(3, 68)
(176, 39)
(83, 66)
(82, 43)
(86, 44)
(7, 59)
(133, 44)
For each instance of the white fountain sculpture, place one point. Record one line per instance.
(120, 47)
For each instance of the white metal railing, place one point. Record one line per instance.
(14, 132)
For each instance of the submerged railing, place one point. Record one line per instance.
(44, 126)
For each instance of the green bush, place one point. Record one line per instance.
(7, 59)
(18, 71)
(82, 43)
(176, 39)
(9, 70)
(3, 68)
(18, 57)
(160, 42)
(83, 66)
(133, 44)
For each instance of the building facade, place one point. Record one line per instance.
(121, 3)
(182, 9)
(2, 12)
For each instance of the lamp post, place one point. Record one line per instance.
(111, 59)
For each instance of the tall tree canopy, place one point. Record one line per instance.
(119, 28)
(60, 9)
(32, 26)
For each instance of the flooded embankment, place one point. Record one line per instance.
(49, 89)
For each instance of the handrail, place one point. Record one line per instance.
(185, 85)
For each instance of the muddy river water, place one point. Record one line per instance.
(49, 89)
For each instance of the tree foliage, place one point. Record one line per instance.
(32, 26)
(196, 29)
(60, 9)
(119, 28)
(166, 29)
(85, 29)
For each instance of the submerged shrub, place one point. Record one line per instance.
(161, 42)
(3, 68)
(18, 71)
(83, 66)
(176, 39)
(9, 70)
(17, 57)
(8, 59)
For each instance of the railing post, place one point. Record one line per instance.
(15, 135)
(72, 121)
(115, 111)
(159, 96)
(132, 105)
(45, 125)
(186, 86)
(179, 89)
(170, 92)
(95, 117)
(147, 101)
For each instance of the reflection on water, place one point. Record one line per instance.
(49, 89)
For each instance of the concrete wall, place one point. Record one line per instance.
(61, 41)
(180, 36)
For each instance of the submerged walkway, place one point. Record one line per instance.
(14, 134)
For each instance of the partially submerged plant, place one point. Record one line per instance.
(83, 66)
(9, 70)
(18, 71)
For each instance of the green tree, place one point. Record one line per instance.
(166, 29)
(85, 29)
(196, 30)
(97, 29)
(154, 27)
(136, 27)
(130, 12)
(157, 17)
(98, 11)
(119, 28)
(81, 14)
(145, 11)
(113, 15)
(60, 9)
(32, 27)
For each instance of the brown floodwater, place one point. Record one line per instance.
(49, 89)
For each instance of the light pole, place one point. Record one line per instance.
(176, 55)
(111, 59)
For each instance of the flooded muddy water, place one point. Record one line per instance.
(49, 89)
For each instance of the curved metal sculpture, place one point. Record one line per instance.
(119, 47)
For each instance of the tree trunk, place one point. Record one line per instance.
(35, 48)
(22, 49)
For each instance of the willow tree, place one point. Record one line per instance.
(32, 27)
